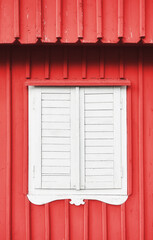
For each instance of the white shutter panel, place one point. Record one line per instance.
(102, 138)
(56, 138)
(50, 136)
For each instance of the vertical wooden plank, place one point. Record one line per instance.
(117, 138)
(142, 18)
(27, 218)
(9, 144)
(65, 64)
(84, 63)
(38, 19)
(120, 18)
(47, 63)
(47, 222)
(28, 64)
(86, 220)
(123, 223)
(121, 63)
(25, 161)
(58, 19)
(82, 137)
(35, 131)
(77, 139)
(99, 18)
(80, 18)
(25, 140)
(102, 63)
(16, 19)
(104, 221)
(129, 142)
(67, 220)
(141, 164)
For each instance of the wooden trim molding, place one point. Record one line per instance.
(76, 82)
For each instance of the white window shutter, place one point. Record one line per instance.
(102, 138)
(77, 144)
(56, 138)
(53, 166)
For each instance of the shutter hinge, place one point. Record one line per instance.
(33, 171)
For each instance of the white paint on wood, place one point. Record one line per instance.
(117, 138)
(77, 143)
(78, 200)
(77, 137)
(73, 139)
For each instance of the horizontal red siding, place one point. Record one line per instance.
(19, 219)
(67, 21)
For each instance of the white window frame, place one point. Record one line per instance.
(39, 196)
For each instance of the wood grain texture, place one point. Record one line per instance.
(58, 19)
(99, 18)
(120, 18)
(78, 20)
(141, 147)
(123, 222)
(29, 221)
(47, 222)
(47, 63)
(16, 19)
(86, 219)
(67, 220)
(9, 147)
(104, 221)
(38, 19)
(28, 64)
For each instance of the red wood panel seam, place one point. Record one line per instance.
(86, 219)
(58, 19)
(16, 19)
(47, 222)
(121, 63)
(67, 220)
(120, 18)
(38, 19)
(104, 221)
(25, 161)
(129, 142)
(141, 163)
(99, 18)
(47, 63)
(28, 64)
(123, 222)
(65, 64)
(102, 63)
(80, 18)
(27, 218)
(25, 140)
(142, 18)
(84, 63)
(9, 145)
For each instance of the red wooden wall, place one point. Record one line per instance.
(69, 21)
(19, 219)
